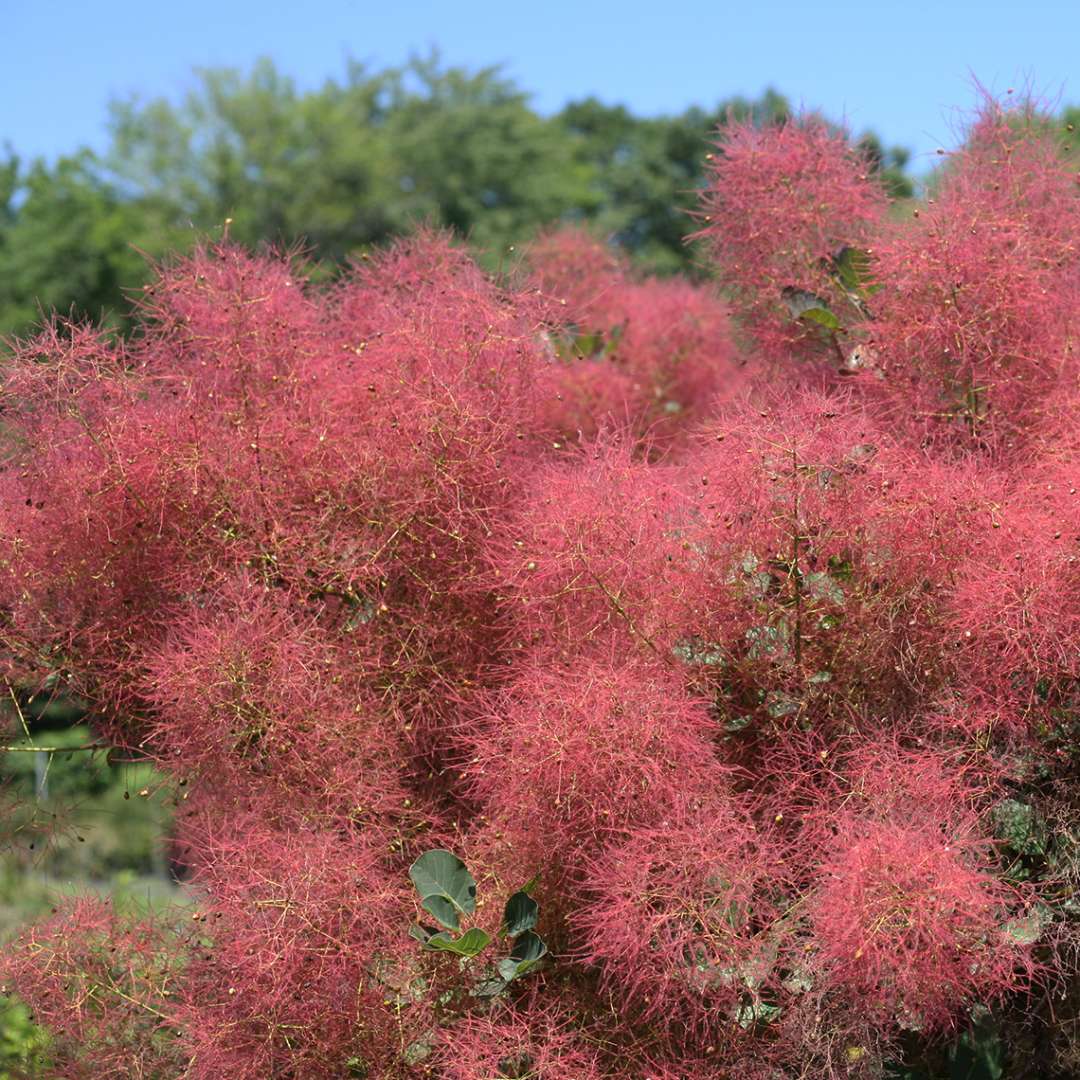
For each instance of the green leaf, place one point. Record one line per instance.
(419, 1050)
(490, 986)
(799, 301)
(508, 970)
(822, 316)
(756, 1012)
(445, 886)
(589, 344)
(528, 948)
(1028, 929)
(1020, 826)
(978, 1054)
(469, 944)
(809, 307)
(768, 642)
(841, 568)
(851, 266)
(778, 704)
(520, 914)
(421, 933)
(443, 910)
(822, 587)
(440, 942)
(528, 951)
(693, 650)
(472, 941)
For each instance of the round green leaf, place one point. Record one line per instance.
(445, 886)
(821, 316)
(799, 301)
(528, 948)
(469, 944)
(443, 910)
(508, 969)
(520, 914)
(472, 941)
(528, 951)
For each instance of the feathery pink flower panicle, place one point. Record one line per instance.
(572, 757)
(910, 920)
(577, 270)
(781, 204)
(733, 679)
(254, 700)
(974, 320)
(651, 354)
(588, 563)
(105, 984)
(678, 921)
(1015, 612)
(294, 922)
(817, 546)
(543, 1047)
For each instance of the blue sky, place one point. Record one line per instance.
(904, 69)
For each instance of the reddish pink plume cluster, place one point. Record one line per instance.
(651, 355)
(95, 980)
(746, 666)
(780, 201)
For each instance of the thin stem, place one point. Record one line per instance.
(135, 1001)
(796, 579)
(50, 749)
(18, 709)
(624, 614)
(835, 340)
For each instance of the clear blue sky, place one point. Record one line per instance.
(903, 69)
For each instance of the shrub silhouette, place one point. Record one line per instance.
(750, 672)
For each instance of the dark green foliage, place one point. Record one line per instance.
(447, 891)
(891, 163)
(22, 1042)
(469, 944)
(529, 949)
(520, 914)
(446, 887)
(342, 168)
(351, 163)
(976, 1053)
(69, 241)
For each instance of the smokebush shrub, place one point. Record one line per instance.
(705, 655)
(654, 354)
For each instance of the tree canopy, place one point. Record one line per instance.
(345, 166)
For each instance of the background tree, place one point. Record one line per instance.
(346, 166)
(70, 241)
(646, 170)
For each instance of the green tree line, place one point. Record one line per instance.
(348, 165)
